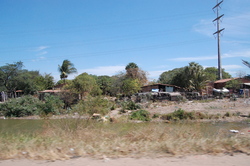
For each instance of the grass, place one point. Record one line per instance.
(70, 138)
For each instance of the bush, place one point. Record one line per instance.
(179, 115)
(142, 115)
(23, 106)
(53, 105)
(94, 105)
(129, 105)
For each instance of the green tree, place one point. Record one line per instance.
(66, 68)
(195, 76)
(32, 81)
(233, 84)
(84, 85)
(211, 73)
(45, 81)
(190, 77)
(116, 83)
(105, 83)
(9, 76)
(131, 86)
(167, 76)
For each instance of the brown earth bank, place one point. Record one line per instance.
(196, 160)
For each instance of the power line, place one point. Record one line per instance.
(97, 41)
(118, 51)
(101, 26)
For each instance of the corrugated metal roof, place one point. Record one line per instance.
(224, 80)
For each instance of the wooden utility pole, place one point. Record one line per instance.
(217, 7)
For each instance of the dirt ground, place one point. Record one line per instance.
(221, 106)
(197, 160)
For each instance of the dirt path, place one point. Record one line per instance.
(197, 160)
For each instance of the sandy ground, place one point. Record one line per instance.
(197, 160)
(212, 107)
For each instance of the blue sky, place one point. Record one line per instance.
(102, 36)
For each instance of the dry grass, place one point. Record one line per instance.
(64, 139)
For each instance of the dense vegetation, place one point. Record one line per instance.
(86, 91)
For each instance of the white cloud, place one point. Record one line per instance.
(235, 26)
(204, 27)
(40, 48)
(155, 74)
(244, 54)
(229, 67)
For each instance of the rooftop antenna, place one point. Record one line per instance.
(217, 7)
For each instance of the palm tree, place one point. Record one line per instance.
(195, 76)
(246, 63)
(66, 69)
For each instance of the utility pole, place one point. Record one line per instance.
(217, 7)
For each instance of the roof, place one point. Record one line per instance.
(162, 85)
(224, 80)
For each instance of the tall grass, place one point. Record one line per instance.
(69, 138)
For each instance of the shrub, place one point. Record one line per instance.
(142, 115)
(52, 105)
(132, 105)
(23, 106)
(128, 105)
(93, 105)
(227, 114)
(179, 115)
(156, 115)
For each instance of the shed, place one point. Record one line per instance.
(160, 88)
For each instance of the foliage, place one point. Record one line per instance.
(43, 82)
(31, 81)
(93, 105)
(211, 74)
(142, 115)
(190, 77)
(23, 106)
(68, 98)
(84, 85)
(134, 72)
(234, 84)
(13, 77)
(167, 76)
(9, 75)
(246, 63)
(179, 115)
(52, 105)
(116, 84)
(66, 68)
(131, 86)
(129, 105)
(29, 105)
(105, 83)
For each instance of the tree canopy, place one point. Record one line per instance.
(84, 85)
(13, 77)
